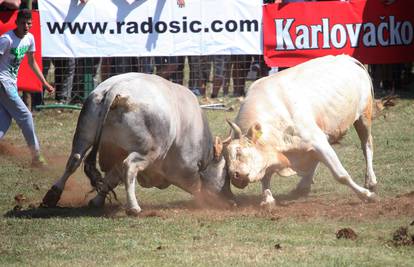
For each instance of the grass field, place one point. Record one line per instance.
(174, 231)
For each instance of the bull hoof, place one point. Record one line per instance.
(268, 200)
(133, 212)
(52, 197)
(373, 198)
(267, 204)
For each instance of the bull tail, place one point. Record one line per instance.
(367, 73)
(90, 169)
(374, 104)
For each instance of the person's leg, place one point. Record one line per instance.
(205, 69)
(178, 75)
(106, 68)
(146, 65)
(68, 74)
(5, 119)
(167, 67)
(97, 64)
(396, 74)
(173, 62)
(79, 80)
(240, 69)
(37, 98)
(59, 73)
(195, 74)
(219, 62)
(373, 71)
(14, 105)
(264, 69)
(227, 76)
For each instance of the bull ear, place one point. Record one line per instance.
(236, 129)
(254, 132)
(218, 148)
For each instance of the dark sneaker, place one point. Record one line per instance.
(39, 162)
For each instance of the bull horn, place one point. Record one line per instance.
(236, 129)
(227, 140)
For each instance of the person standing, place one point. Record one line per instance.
(14, 45)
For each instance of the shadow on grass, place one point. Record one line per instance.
(63, 212)
(116, 210)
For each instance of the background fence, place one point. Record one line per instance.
(212, 76)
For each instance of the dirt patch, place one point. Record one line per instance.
(304, 209)
(20, 154)
(343, 208)
(346, 233)
(9, 149)
(77, 193)
(402, 237)
(410, 194)
(56, 162)
(76, 196)
(151, 213)
(19, 199)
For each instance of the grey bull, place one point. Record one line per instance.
(148, 129)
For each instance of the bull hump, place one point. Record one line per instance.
(123, 102)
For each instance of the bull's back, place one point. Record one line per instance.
(142, 101)
(329, 93)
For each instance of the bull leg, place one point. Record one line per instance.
(328, 156)
(304, 186)
(131, 166)
(268, 199)
(110, 181)
(363, 128)
(53, 195)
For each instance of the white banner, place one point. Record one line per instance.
(102, 28)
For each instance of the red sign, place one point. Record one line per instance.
(367, 30)
(27, 79)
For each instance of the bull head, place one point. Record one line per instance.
(245, 161)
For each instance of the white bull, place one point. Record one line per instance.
(290, 120)
(148, 128)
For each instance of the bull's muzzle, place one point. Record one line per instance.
(238, 180)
